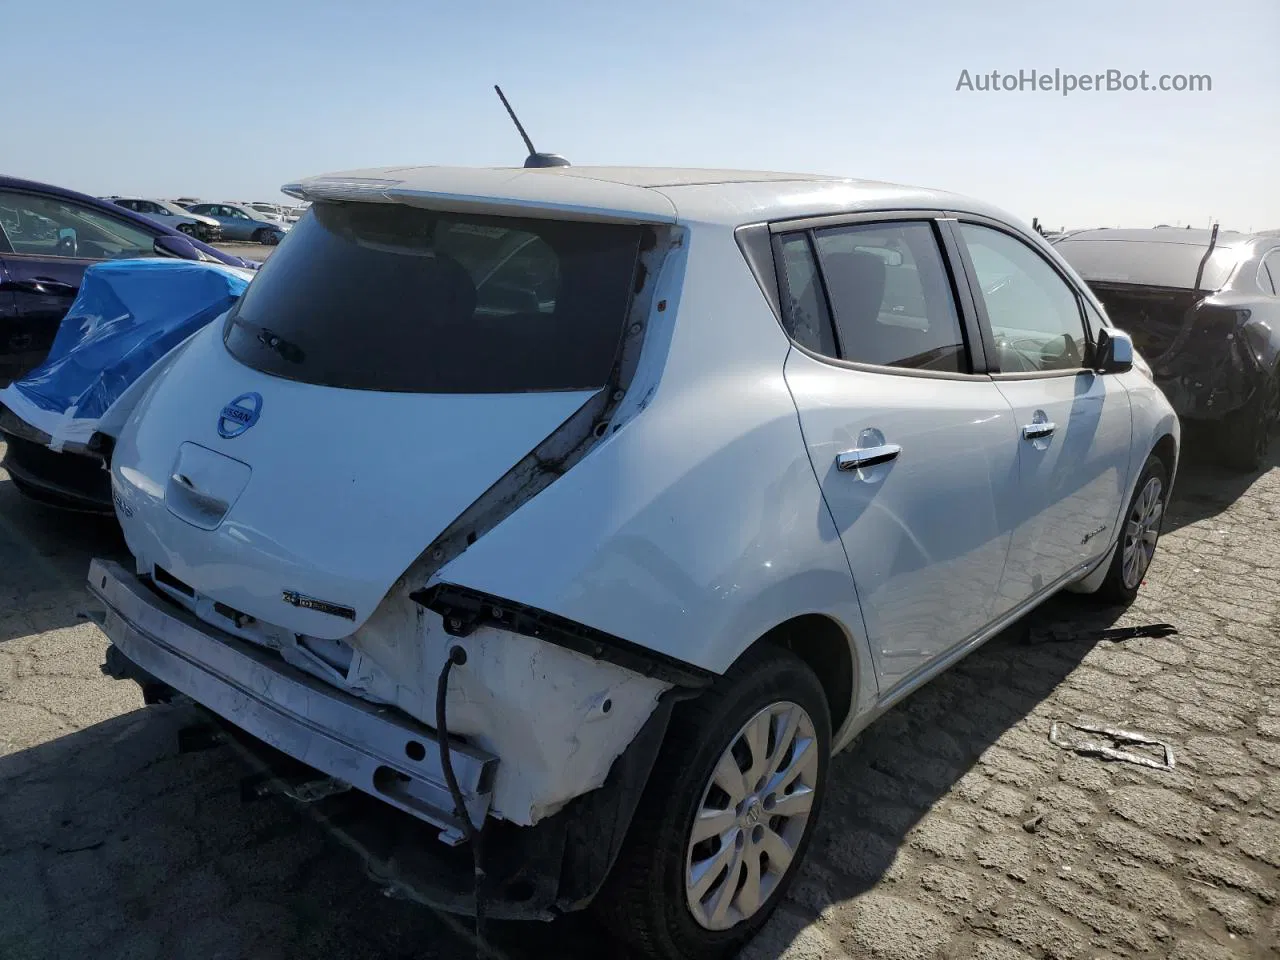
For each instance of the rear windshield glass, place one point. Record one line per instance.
(374, 296)
(1148, 264)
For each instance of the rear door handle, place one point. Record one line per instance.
(44, 286)
(867, 457)
(1038, 431)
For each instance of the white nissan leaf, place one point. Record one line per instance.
(590, 510)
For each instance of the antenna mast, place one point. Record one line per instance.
(535, 159)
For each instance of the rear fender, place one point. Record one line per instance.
(698, 526)
(1222, 356)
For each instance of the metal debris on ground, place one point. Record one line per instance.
(1113, 635)
(1096, 748)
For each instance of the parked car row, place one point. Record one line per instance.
(214, 221)
(239, 221)
(173, 215)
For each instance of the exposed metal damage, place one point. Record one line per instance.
(1204, 354)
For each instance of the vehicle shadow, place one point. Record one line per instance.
(44, 559)
(1204, 488)
(112, 843)
(922, 750)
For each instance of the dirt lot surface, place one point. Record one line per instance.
(953, 829)
(250, 251)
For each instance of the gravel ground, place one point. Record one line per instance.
(954, 828)
(250, 251)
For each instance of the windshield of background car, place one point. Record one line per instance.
(375, 296)
(1145, 263)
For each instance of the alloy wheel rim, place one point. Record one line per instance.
(752, 817)
(1141, 531)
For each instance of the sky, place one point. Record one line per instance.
(227, 99)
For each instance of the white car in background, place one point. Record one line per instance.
(272, 211)
(172, 215)
(619, 502)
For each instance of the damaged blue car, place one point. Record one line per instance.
(60, 421)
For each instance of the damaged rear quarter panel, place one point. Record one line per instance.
(1224, 353)
(555, 719)
(699, 525)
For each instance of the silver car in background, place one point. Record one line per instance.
(240, 221)
(172, 215)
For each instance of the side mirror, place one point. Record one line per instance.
(1113, 352)
(180, 247)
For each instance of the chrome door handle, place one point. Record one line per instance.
(867, 457)
(1038, 431)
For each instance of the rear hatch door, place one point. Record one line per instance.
(383, 370)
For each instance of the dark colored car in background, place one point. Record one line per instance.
(48, 237)
(1203, 309)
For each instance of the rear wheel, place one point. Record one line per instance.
(1246, 436)
(727, 814)
(1139, 534)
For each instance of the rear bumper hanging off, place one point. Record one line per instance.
(379, 752)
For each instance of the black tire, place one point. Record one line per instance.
(1246, 433)
(262, 236)
(1114, 588)
(644, 899)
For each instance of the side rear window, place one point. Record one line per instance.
(804, 304)
(891, 296)
(375, 296)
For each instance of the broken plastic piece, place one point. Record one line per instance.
(1097, 749)
(1114, 635)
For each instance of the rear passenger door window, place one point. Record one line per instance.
(874, 293)
(1034, 314)
(891, 297)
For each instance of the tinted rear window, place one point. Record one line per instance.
(389, 297)
(1148, 264)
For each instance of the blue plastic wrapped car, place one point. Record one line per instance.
(60, 421)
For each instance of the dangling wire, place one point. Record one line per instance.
(458, 656)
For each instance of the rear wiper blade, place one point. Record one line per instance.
(287, 349)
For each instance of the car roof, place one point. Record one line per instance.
(1176, 235)
(634, 194)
